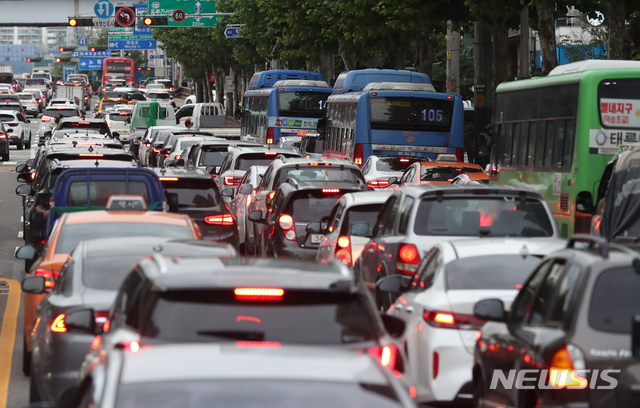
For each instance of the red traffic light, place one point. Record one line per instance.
(156, 21)
(92, 49)
(81, 21)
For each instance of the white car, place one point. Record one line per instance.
(350, 225)
(47, 121)
(6, 89)
(438, 301)
(30, 103)
(184, 142)
(120, 122)
(20, 134)
(377, 170)
(60, 101)
(39, 95)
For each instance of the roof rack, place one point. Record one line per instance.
(595, 243)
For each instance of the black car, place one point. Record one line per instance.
(195, 193)
(4, 142)
(292, 227)
(568, 331)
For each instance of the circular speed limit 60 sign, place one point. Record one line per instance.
(125, 16)
(179, 16)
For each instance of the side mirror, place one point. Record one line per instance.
(82, 320)
(314, 227)
(393, 284)
(393, 180)
(9, 130)
(23, 178)
(27, 252)
(227, 192)
(212, 170)
(172, 201)
(47, 133)
(245, 189)
(635, 336)
(256, 216)
(490, 309)
(30, 163)
(393, 325)
(116, 135)
(27, 121)
(169, 163)
(179, 163)
(33, 284)
(22, 168)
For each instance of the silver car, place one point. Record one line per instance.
(240, 205)
(378, 170)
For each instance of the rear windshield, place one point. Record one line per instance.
(359, 220)
(100, 190)
(24, 97)
(395, 163)
(72, 234)
(319, 173)
(153, 95)
(103, 128)
(477, 216)
(11, 107)
(257, 159)
(213, 156)
(7, 118)
(35, 81)
(194, 194)
(119, 117)
(299, 317)
(302, 103)
(445, 173)
(109, 104)
(261, 393)
(186, 143)
(107, 272)
(615, 300)
(313, 145)
(307, 206)
(506, 272)
(64, 112)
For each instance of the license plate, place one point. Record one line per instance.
(316, 238)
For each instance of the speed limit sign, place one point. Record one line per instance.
(179, 16)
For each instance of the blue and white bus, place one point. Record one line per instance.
(392, 117)
(283, 103)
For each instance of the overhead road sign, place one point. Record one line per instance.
(103, 9)
(232, 31)
(179, 16)
(82, 41)
(129, 37)
(139, 28)
(125, 17)
(68, 70)
(157, 56)
(91, 54)
(195, 13)
(133, 45)
(90, 64)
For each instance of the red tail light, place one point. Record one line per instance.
(379, 183)
(288, 226)
(169, 179)
(408, 259)
(460, 155)
(148, 144)
(343, 250)
(258, 344)
(91, 155)
(448, 320)
(49, 277)
(57, 324)
(46, 119)
(330, 190)
(3, 136)
(270, 136)
(386, 354)
(270, 153)
(101, 319)
(133, 347)
(12, 123)
(258, 293)
(156, 150)
(232, 181)
(225, 219)
(436, 363)
(358, 154)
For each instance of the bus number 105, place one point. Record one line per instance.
(432, 115)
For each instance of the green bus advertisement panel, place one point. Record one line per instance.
(556, 134)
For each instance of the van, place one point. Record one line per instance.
(147, 114)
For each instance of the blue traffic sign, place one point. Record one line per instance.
(103, 8)
(68, 70)
(232, 32)
(139, 28)
(133, 45)
(82, 41)
(90, 64)
(89, 54)
(157, 56)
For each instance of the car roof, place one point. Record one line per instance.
(449, 164)
(525, 246)
(366, 197)
(144, 217)
(305, 161)
(191, 273)
(261, 149)
(182, 173)
(466, 189)
(165, 246)
(321, 185)
(232, 361)
(90, 163)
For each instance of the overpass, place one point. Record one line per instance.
(46, 13)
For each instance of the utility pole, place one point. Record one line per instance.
(525, 64)
(453, 59)
(483, 88)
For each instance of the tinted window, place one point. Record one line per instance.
(72, 234)
(615, 300)
(257, 159)
(7, 118)
(35, 81)
(423, 114)
(307, 206)
(163, 96)
(490, 272)
(318, 173)
(107, 273)
(542, 304)
(357, 216)
(313, 145)
(100, 190)
(256, 394)
(521, 307)
(300, 317)
(64, 112)
(491, 216)
(302, 103)
(444, 173)
(194, 193)
(394, 163)
(119, 117)
(212, 156)
(108, 104)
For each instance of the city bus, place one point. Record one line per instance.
(283, 103)
(555, 134)
(397, 114)
(118, 68)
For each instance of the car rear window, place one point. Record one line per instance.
(101, 127)
(506, 272)
(445, 173)
(307, 206)
(7, 118)
(36, 81)
(308, 317)
(478, 216)
(319, 173)
(64, 112)
(72, 234)
(615, 300)
(271, 393)
(313, 145)
(100, 190)
(153, 95)
(395, 163)
(258, 159)
(119, 117)
(359, 220)
(213, 156)
(109, 104)
(27, 97)
(194, 194)
(107, 272)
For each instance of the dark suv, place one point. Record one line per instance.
(194, 193)
(292, 227)
(569, 327)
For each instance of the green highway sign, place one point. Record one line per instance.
(120, 30)
(167, 8)
(129, 37)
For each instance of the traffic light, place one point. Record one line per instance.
(66, 49)
(34, 59)
(81, 21)
(98, 48)
(63, 59)
(156, 21)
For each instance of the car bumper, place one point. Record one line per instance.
(290, 249)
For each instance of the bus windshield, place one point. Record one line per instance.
(421, 114)
(302, 103)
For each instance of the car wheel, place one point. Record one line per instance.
(27, 144)
(20, 145)
(478, 393)
(5, 156)
(34, 396)
(26, 358)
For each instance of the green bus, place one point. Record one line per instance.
(555, 134)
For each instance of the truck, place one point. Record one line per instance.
(208, 117)
(6, 68)
(74, 92)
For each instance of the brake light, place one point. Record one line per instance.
(57, 325)
(33, 175)
(46, 119)
(386, 354)
(3, 136)
(271, 195)
(460, 154)
(101, 318)
(344, 250)
(133, 347)
(91, 155)
(448, 320)
(156, 150)
(12, 124)
(288, 226)
(148, 144)
(330, 190)
(225, 219)
(358, 153)
(232, 181)
(562, 370)
(109, 124)
(258, 293)
(169, 178)
(49, 277)
(408, 259)
(270, 136)
(258, 344)
(379, 183)
(270, 153)
(307, 156)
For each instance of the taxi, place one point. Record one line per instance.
(109, 104)
(74, 227)
(439, 172)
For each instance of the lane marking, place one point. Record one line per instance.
(16, 251)
(9, 163)
(22, 218)
(20, 234)
(7, 338)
